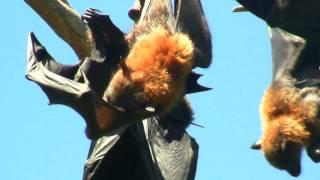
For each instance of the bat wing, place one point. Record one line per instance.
(80, 86)
(294, 38)
(297, 17)
(156, 148)
(173, 150)
(56, 81)
(59, 89)
(192, 85)
(109, 48)
(295, 58)
(286, 51)
(190, 19)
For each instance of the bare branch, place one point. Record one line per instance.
(66, 22)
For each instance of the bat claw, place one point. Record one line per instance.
(256, 145)
(84, 76)
(239, 9)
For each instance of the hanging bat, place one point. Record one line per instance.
(147, 82)
(159, 147)
(290, 106)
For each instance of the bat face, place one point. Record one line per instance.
(287, 157)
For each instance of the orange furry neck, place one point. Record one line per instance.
(285, 116)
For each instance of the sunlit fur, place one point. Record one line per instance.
(286, 120)
(158, 65)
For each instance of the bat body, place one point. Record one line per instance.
(290, 106)
(154, 73)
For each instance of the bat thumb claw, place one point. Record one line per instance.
(84, 76)
(239, 9)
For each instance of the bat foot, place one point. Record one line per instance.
(134, 13)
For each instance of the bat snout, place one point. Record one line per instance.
(294, 170)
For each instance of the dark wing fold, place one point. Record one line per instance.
(297, 17)
(62, 90)
(173, 150)
(190, 19)
(192, 85)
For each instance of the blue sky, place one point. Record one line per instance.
(41, 142)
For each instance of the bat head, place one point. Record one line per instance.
(287, 156)
(285, 120)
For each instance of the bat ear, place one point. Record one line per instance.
(256, 145)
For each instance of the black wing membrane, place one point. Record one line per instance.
(192, 85)
(190, 19)
(56, 81)
(81, 86)
(297, 17)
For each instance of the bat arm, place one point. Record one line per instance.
(39, 74)
(97, 113)
(286, 51)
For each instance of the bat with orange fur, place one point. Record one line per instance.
(128, 78)
(290, 106)
(144, 74)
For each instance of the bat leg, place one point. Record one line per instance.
(108, 37)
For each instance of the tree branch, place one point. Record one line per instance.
(66, 23)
